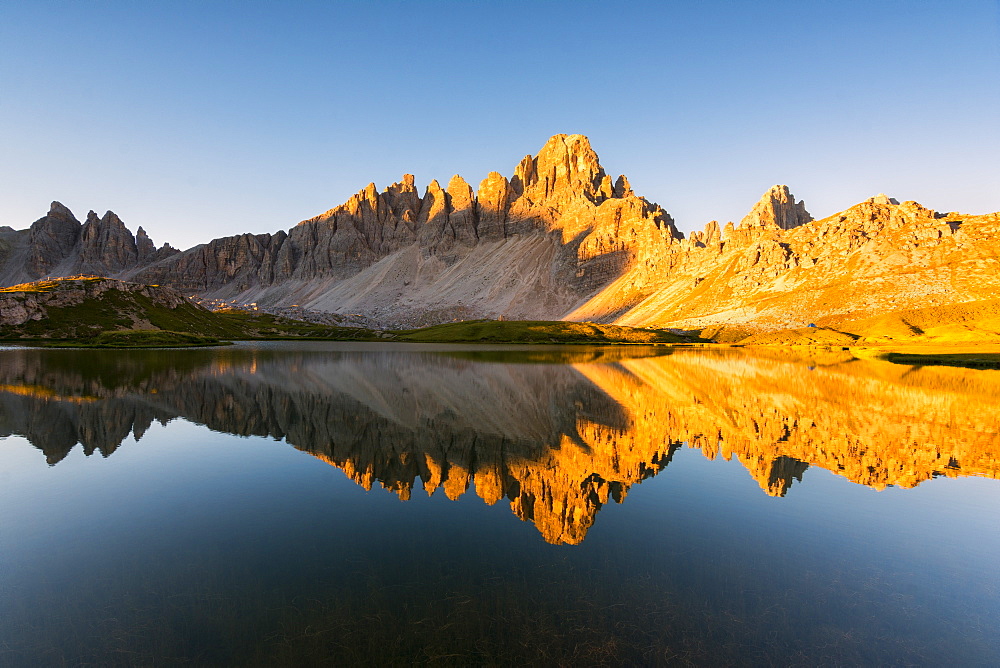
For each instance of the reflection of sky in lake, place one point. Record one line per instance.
(199, 545)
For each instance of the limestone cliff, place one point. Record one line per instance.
(58, 245)
(557, 239)
(533, 245)
(778, 269)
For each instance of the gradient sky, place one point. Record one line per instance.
(204, 119)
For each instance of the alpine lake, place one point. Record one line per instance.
(399, 504)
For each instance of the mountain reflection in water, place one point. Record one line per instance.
(556, 432)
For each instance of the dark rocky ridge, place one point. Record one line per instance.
(59, 245)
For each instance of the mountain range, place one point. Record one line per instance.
(559, 239)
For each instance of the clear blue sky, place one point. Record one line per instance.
(204, 119)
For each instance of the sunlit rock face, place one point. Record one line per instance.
(558, 238)
(776, 210)
(531, 246)
(780, 269)
(557, 437)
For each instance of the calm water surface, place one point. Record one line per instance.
(320, 503)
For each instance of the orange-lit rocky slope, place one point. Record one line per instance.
(556, 440)
(875, 257)
(559, 238)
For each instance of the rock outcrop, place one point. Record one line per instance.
(776, 210)
(775, 271)
(54, 237)
(111, 304)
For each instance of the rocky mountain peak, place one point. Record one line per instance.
(406, 184)
(51, 240)
(493, 199)
(884, 200)
(106, 245)
(777, 210)
(462, 202)
(58, 211)
(568, 165)
(622, 187)
(435, 205)
(111, 218)
(433, 187)
(524, 175)
(58, 244)
(457, 183)
(96, 227)
(143, 244)
(403, 199)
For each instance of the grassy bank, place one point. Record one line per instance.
(971, 356)
(970, 361)
(535, 331)
(141, 338)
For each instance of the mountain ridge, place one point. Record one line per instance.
(559, 239)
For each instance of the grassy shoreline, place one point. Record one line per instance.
(139, 338)
(470, 331)
(984, 355)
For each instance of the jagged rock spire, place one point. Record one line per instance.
(106, 245)
(493, 200)
(51, 240)
(776, 209)
(566, 164)
(58, 210)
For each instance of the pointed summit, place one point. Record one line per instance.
(567, 162)
(51, 240)
(106, 245)
(883, 199)
(622, 187)
(493, 200)
(776, 210)
(144, 246)
(59, 211)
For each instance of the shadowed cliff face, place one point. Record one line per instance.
(556, 434)
(58, 244)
